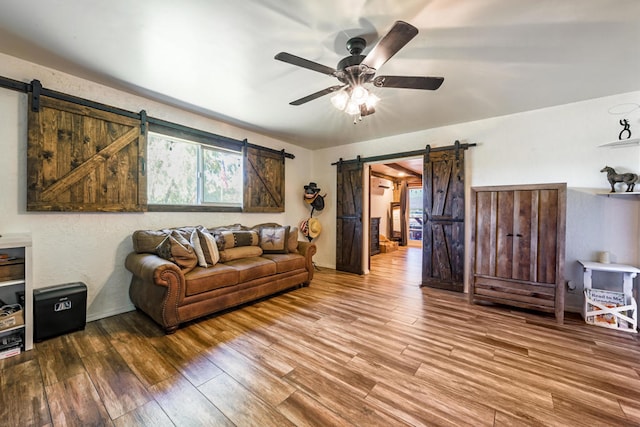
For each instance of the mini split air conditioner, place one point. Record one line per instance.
(378, 185)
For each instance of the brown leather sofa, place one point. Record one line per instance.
(174, 290)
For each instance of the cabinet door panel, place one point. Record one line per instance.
(548, 226)
(504, 238)
(523, 253)
(485, 237)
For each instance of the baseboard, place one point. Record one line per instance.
(98, 316)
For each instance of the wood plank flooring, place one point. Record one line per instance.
(373, 350)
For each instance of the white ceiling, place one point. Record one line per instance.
(215, 57)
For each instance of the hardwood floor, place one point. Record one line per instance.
(348, 350)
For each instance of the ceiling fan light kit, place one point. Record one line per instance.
(356, 70)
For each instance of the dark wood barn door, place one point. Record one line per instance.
(349, 218)
(443, 222)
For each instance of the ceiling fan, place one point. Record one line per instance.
(355, 70)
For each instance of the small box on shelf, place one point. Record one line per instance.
(11, 269)
(11, 316)
(608, 309)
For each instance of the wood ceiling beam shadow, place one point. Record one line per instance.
(403, 169)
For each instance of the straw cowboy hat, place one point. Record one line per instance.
(311, 227)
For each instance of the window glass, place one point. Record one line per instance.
(222, 177)
(415, 213)
(182, 172)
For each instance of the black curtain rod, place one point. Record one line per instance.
(405, 154)
(17, 85)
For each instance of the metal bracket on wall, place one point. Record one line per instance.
(143, 121)
(36, 89)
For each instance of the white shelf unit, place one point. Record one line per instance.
(19, 245)
(626, 316)
(622, 143)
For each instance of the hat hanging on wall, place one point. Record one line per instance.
(310, 228)
(312, 197)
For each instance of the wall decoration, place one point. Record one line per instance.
(613, 177)
(625, 133)
(313, 198)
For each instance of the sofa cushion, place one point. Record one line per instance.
(274, 240)
(207, 279)
(252, 268)
(286, 262)
(241, 252)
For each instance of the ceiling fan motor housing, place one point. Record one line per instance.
(349, 70)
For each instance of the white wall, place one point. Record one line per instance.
(91, 247)
(381, 206)
(558, 144)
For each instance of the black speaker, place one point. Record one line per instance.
(59, 309)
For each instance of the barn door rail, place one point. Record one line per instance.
(395, 156)
(36, 90)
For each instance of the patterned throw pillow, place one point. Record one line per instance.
(209, 247)
(233, 239)
(274, 240)
(177, 249)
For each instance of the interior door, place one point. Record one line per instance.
(349, 218)
(443, 223)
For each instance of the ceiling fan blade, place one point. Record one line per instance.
(318, 94)
(408, 82)
(398, 36)
(304, 63)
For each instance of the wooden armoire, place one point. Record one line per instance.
(517, 246)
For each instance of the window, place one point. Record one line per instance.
(183, 172)
(415, 213)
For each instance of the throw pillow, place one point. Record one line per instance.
(177, 249)
(197, 246)
(292, 245)
(209, 247)
(240, 252)
(274, 240)
(234, 239)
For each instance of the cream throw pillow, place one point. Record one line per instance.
(209, 247)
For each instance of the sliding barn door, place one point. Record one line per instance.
(349, 218)
(443, 223)
(84, 160)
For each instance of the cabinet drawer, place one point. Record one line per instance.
(12, 270)
(509, 291)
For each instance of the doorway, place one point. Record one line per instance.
(442, 217)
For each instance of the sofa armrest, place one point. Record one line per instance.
(156, 288)
(308, 250)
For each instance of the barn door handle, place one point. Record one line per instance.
(509, 234)
(519, 235)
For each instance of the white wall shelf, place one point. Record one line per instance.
(631, 194)
(622, 143)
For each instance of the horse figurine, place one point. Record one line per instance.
(613, 177)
